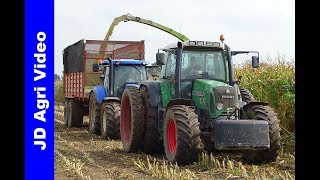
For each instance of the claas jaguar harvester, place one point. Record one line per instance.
(95, 74)
(197, 104)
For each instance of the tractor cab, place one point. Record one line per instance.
(124, 73)
(199, 60)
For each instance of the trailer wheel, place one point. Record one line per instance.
(66, 112)
(181, 135)
(110, 120)
(94, 115)
(75, 114)
(265, 113)
(152, 142)
(132, 120)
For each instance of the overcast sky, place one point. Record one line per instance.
(267, 26)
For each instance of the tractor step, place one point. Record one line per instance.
(241, 134)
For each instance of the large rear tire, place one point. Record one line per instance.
(265, 113)
(75, 114)
(132, 120)
(152, 142)
(181, 135)
(94, 115)
(110, 120)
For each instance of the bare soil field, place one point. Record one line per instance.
(81, 155)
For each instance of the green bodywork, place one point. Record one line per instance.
(202, 95)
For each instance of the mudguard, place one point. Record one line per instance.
(100, 93)
(155, 92)
(111, 99)
(132, 85)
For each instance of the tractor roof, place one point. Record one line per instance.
(209, 44)
(125, 62)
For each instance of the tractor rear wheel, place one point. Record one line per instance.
(265, 113)
(110, 120)
(132, 120)
(94, 115)
(152, 142)
(75, 114)
(66, 112)
(181, 135)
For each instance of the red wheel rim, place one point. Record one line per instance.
(125, 120)
(171, 132)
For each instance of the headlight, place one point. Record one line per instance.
(219, 106)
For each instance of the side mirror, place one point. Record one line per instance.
(160, 59)
(255, 61)
(95, 67)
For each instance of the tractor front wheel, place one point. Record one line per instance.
(264, 113)
(246, 95)
(181, 135)
(110, 120)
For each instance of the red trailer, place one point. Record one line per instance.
(78, 60)
(79, 78)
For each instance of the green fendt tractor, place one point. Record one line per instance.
(197, 101)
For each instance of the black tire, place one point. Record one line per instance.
(66, 112)
(246, 95)
(94, 115)
(75, 114)
(181, 135)
(110, 120)
(132, 120)
(265, 113)
(152, 142)
(208, 145)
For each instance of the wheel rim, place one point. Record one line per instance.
(125, 120)
(104, 121)
(171, 133)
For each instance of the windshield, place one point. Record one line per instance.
(206, 65)
(132, 73)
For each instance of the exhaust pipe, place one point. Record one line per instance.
(178, 71)
(111, 79)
